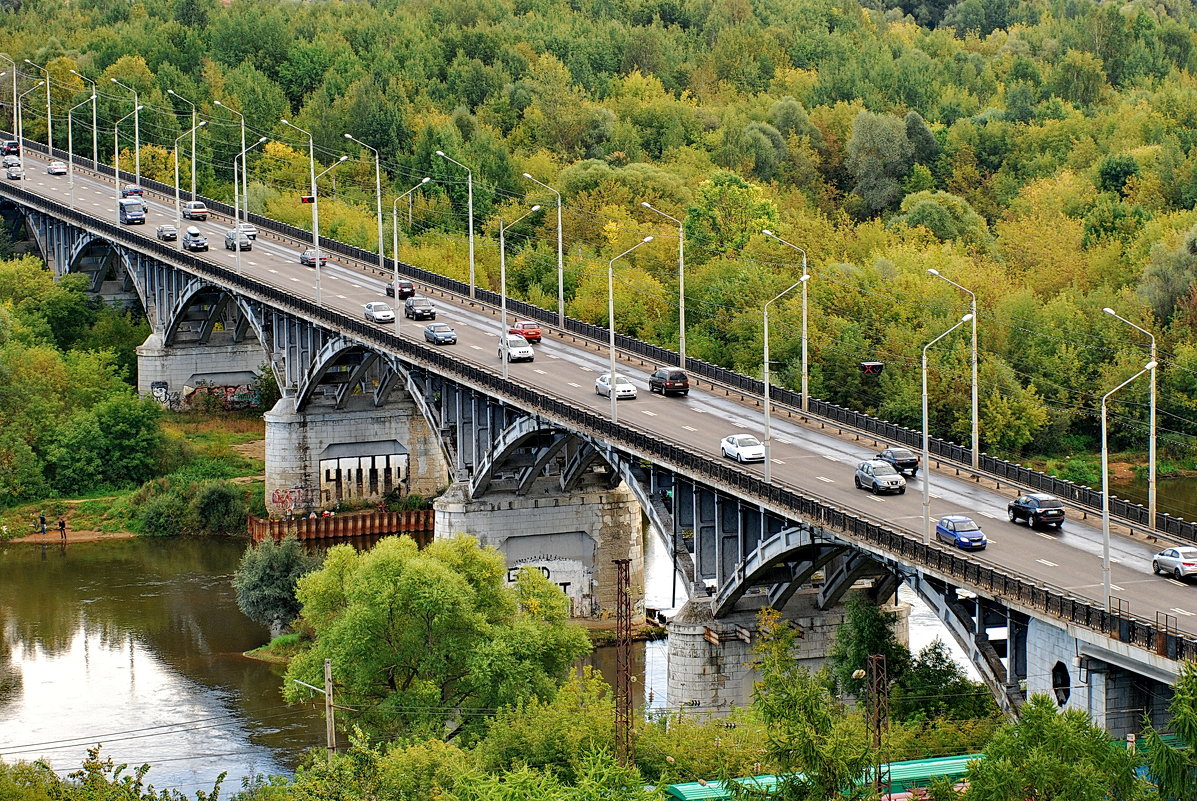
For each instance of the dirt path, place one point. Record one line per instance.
(51, 536)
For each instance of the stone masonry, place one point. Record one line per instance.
(167, 369)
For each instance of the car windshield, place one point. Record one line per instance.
(901, 453)
(621, 380)
(439, 328)
(882, 469)
(966, 526)
(747, 442)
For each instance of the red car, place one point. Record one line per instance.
(526, 329)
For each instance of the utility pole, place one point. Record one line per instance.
(330, 728)
(878, 718)
(623, 660)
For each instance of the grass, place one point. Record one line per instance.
(281, 649)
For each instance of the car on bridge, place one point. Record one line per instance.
(131, 190)
(401, 289)
(1036, 508)
(131, 211)
(237, 240)
(12, 161)
(877, 477)
(669, 381)
(308, 258)
(166, 233)
(1180, 563)
(56, 168)
(16, 173)
(901, 459)
(249, 229)
(440, 334)
(195, 210)
(742, 448)
(518, 349)
(194, 240)
(624, 389)
(419, 309)
(11, 147)
(526, 329)
(962, 532)
(379, 312)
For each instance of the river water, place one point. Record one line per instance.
(137, 644)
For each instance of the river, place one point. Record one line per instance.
(137, 644)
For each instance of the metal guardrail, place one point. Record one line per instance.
(1127, 511)
(1054, 602)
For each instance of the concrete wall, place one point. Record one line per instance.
(710, 661)
(157, 365)
(297, 441)
(571, 538)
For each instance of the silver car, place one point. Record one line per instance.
(379, 312)
(1180, 563)
(877, 476)
(56, 168)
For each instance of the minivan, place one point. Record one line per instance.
(132, 211)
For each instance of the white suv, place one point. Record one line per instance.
(518, 349)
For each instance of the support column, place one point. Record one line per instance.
(572, 538)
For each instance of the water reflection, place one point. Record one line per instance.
(137, 644)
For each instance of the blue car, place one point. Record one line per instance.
(440, 334)
(962, 532)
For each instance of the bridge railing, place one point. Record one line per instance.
(1051, 601)
(1013, 473)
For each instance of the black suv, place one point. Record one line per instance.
(669, 381)
(1036, 508)
(902, 459)
(11, 147)
(419, 309)
(406, 288)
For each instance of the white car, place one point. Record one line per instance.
(56, 168)
(518, 349)
(379, 312)
(742, 448)
(624, 389)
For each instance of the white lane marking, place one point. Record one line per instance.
(1045, 562)
(1115, 587)
(1045, 536)
(937, 497)
(587, 370)
(1178, 583)
(342, 297)
(1178, 611)
(575, 386)
(875, 498)
(272, 271)
(690, 428)
(542, 372)
(293, 278)
(781, 441)
(825, 479)
(646, 411)
(475, 347)
(830, 458)
(991, 540)
(777, 461)
(356, 286)
(551, 356)
(986, 514)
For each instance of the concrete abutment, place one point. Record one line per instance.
(171, 373)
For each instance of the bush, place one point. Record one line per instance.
(265, 581)
(219, 508)
(163, 515)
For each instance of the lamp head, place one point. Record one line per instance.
(966, 318)
(139, 108)
(1108, 310)
(202, 124)
(39, 83)
(27, 61)
(645, 203)
(529, 177)
(343, 158)
(2, 74)
(218, 103)
(647, 239)
(260, 141)
(804, 279)
(534, 208)
(767, 232)
(348, 136)
(933, 271)
(170, 91)
(284, 122)
(1150, 365)
(440, 153)
(425, 180)
(114, 80)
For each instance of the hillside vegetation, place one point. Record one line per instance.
(1038, 152)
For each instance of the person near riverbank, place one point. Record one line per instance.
(41, 519)
(62, 527)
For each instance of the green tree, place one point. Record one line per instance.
(1114, 171)
(1173, 766)
(945, 215)
(1051, 753)
(820, 749)
(266, 579)
(727, 212)
(416, 635)
(867, 629)
(934, 686)
(879, 156)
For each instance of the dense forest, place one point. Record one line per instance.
(1042, 153)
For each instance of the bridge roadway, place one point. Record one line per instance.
(805, 459)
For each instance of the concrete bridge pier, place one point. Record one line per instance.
(710, 660)
(171, 373)
(570, 537)
(321, 455)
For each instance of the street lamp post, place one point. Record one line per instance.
(976, 428)
(49, 116)
(378, 197)
(236, 210)
(681, 281)
(768, 399)
(194, 128)
(71, 144)
(1105, 480)
(95, 129)
(395, 245)
(136, 132)
(927, 437)
(244, 166)
(503, 287)
(116, 156)
(805, 367)
(178, 212)
(1151, 439)
(315, 202)
(21, 115)
(560, 254)
(469, 210)
(611, 321)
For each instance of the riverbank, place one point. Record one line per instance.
(52, 537)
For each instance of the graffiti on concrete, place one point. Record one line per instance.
(240, 396)
(286, 501)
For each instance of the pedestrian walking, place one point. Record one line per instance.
(62, 527)
(41, 519)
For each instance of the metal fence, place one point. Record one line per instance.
(1050, 601)
(1015, 474)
